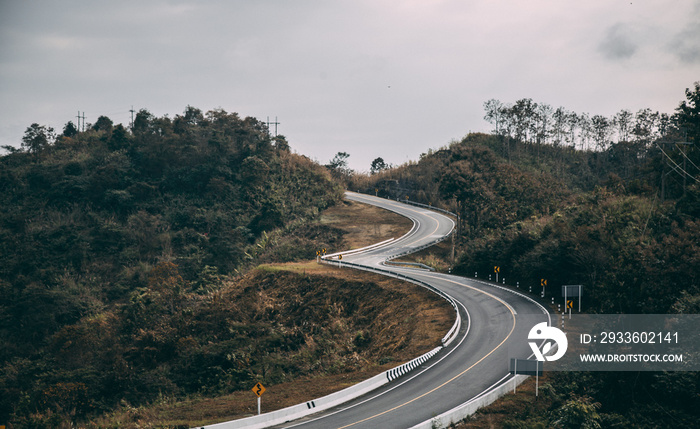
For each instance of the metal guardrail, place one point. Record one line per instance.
(413, 203)
(419, 248)
(410, 264)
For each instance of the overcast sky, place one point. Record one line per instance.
(371, 78)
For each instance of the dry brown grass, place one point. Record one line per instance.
(424, 319)
(364, 224)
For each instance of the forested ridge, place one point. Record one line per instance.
(622, 218)
(113, 243)
(124, 251)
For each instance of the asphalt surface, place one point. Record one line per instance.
(495, 325)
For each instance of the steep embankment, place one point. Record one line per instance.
(303, 330)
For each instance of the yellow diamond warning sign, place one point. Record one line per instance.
(258, 389)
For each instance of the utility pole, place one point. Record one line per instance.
(79, 118)
(131, 125)
(272, 123)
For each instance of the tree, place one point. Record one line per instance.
(585, 130)
(601, 128)
(339, 165)
(281, 144)
(103, 124)
(142, 121)
(378, 165)
(623, 121)
(339, 161)
(119, 138)
(193, 116)
(543, 116)
(573, 122)
(524, 115)
(687, 114)
(644, 123)
(493, 115)
(37, 137)
(70, 129)
(559, 128)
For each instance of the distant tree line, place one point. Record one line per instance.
(531, 122)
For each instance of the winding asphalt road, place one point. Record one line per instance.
(496, 322)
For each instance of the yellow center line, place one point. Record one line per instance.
(461, 373)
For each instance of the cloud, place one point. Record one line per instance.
(618, 43)
(686, 44)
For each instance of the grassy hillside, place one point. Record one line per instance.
(110, 237)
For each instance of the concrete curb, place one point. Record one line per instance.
(304, 409)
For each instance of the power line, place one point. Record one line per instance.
(690, 160)
(678, 167)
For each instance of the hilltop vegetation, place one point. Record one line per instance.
(542, 209)
(621, 218)
(111, 239)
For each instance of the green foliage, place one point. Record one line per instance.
(37, 138)
(378, 165)
(688, 113)
(578, 413)
(338, 166)
(595, 218)
(108, 236)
